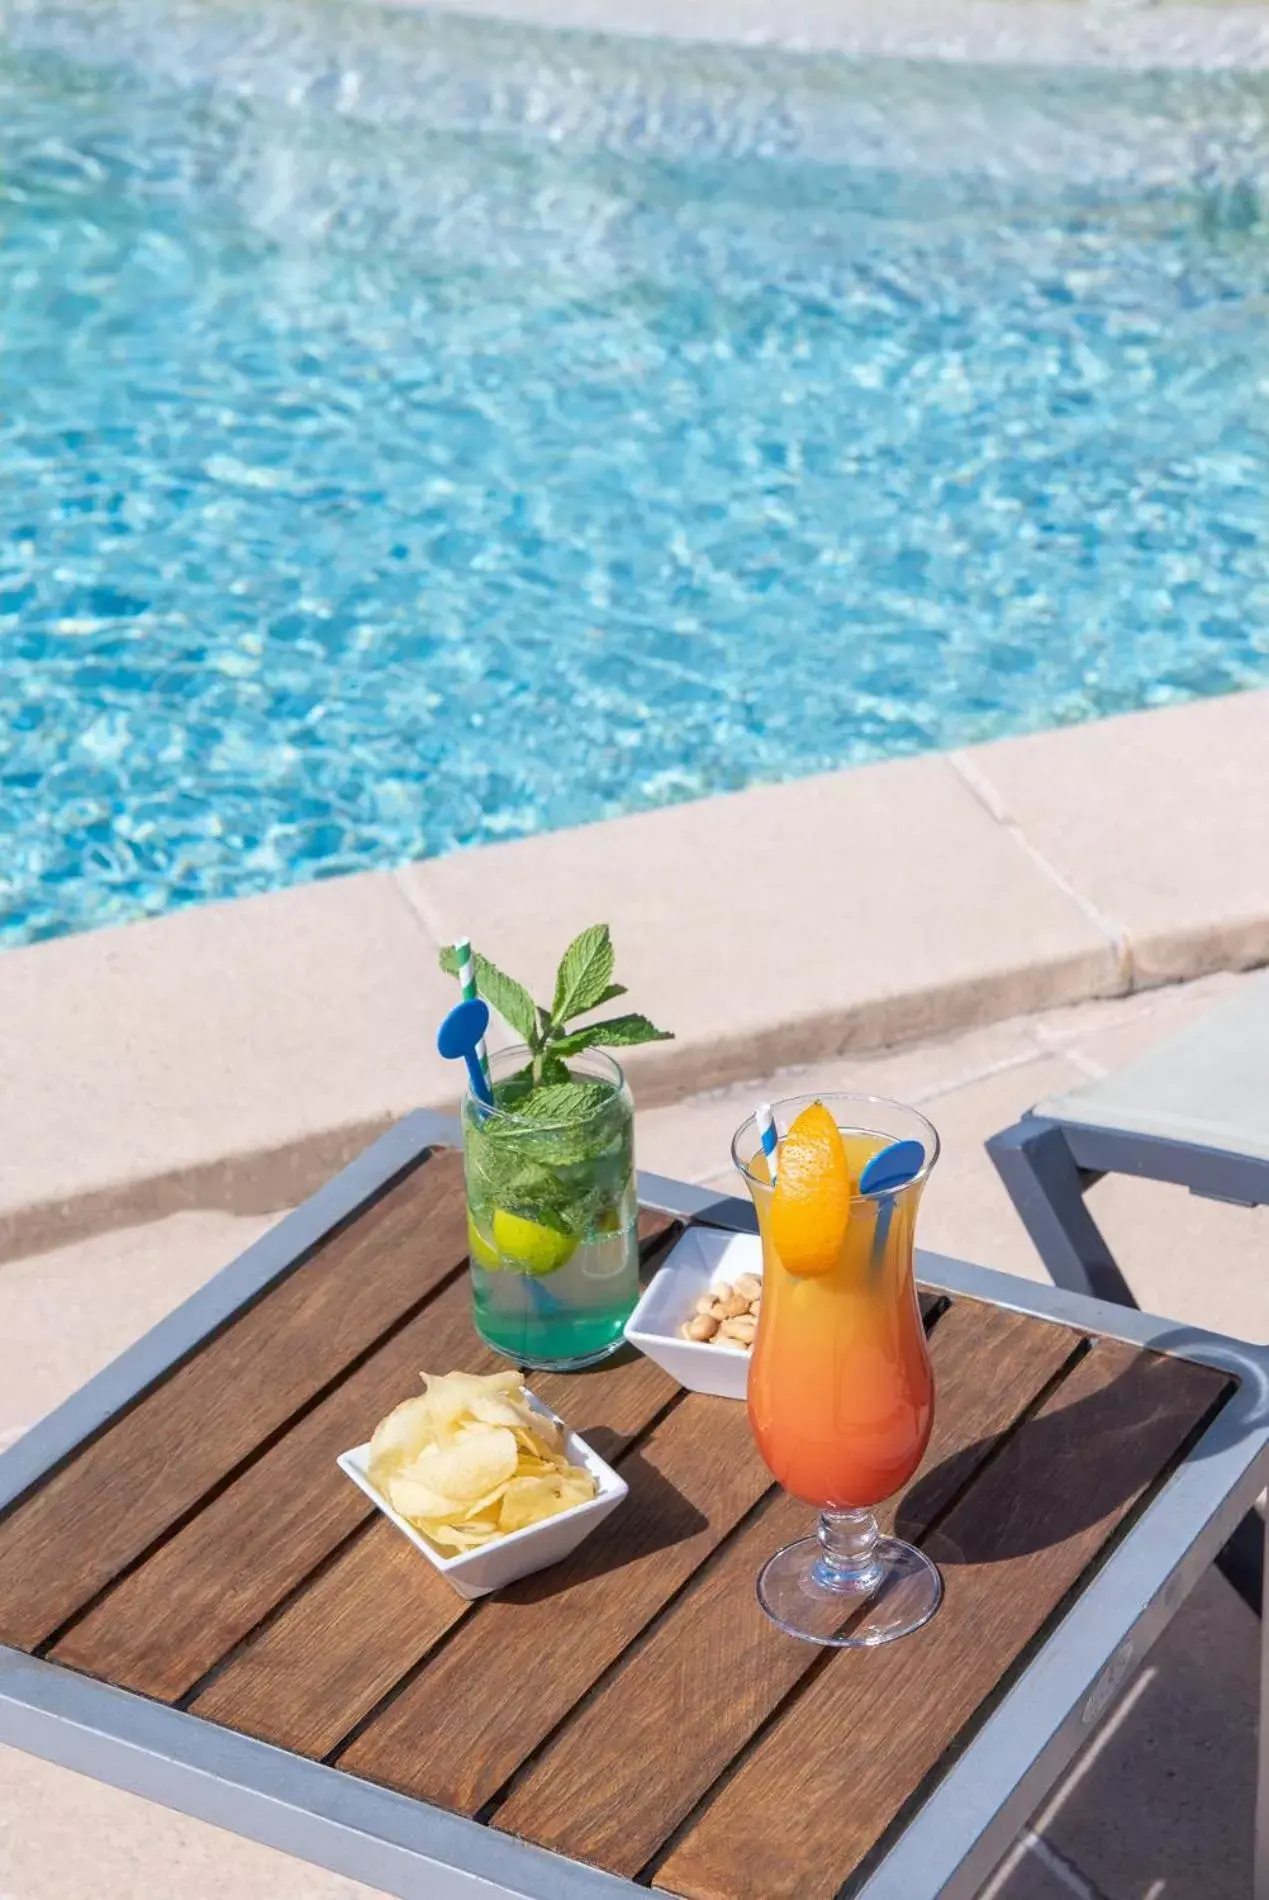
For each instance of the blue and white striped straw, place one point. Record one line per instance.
(467, 982)
(768, 1137)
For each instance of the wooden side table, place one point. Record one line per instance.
(196, 1605)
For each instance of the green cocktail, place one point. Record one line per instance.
(551, 1199)
(552, 1212)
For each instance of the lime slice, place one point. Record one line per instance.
(482, 1251)
(528, 1245)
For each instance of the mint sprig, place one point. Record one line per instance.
(584, 979)
(582, 983)
(511, 1000)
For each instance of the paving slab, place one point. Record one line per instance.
(1035, 1871)
(67, 1313)
(1108, 1031)
(1198, 1261)
(1160, 1805)
(966, 1211)
(231, 1055)
(692, 1138)
(750, 926)
(63, 1837)
(1159, 820)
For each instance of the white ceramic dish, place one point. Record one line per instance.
(704, 1261)
(520, 1553)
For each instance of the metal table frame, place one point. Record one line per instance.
(409, 1848)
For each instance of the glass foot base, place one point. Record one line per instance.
(898, 1592)
(576, 1363)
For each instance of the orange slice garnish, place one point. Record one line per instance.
(810, 1206)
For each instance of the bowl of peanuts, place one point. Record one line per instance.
(699, 1315)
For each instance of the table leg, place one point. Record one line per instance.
(1261, 1889)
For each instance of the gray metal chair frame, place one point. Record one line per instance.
(1048, 1166)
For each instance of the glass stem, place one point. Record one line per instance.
(848, 1558)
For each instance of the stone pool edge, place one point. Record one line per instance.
(1210, 36)
(233, 1055)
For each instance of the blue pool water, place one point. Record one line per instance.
(417, 433)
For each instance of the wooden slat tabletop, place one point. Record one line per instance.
(631, 1707)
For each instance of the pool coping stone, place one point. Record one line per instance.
(233, 1055)
(1120, 35)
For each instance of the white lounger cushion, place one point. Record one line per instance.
(1209, 1085)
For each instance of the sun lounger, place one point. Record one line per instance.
(1195, 1111)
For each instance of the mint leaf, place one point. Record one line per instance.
(618, 1032)
(565, 1103)
(585, 974)
(563, 1173)
(512, 1090)
(511, 1000)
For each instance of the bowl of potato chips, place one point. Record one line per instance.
(484, 1479)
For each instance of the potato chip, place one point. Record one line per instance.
(401, 1436)
(450, 1396)
(535, 1467)
(468, 1467)
(494, 1408)
(473, 1460)
(459, 1539)
(541, 1438)
(471, 1513)
(411, 1498)
(529, 1500)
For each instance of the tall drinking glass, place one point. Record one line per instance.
(551, 1215)
(841, 1392)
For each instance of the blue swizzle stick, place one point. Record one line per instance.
(460, 1037)
(884, 1175)
(893, 1168)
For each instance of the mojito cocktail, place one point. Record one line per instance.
(552, 1211)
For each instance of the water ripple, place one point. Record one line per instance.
(420, 433)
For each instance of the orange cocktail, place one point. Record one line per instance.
(841, 1393)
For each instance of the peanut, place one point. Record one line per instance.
(740, 1330)
(728, 1316)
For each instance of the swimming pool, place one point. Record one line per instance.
(422, 432)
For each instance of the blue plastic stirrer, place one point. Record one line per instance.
(884, 1175)
(459, 1038)
(892, 1168)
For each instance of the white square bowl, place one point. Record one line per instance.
(704, 1261)
(476, 1572)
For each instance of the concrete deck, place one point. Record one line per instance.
(1159, 1809)
(232, 1056)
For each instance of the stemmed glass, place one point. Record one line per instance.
(841, 1391)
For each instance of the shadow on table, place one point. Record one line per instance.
(1059, 1472)
(655, 1516)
